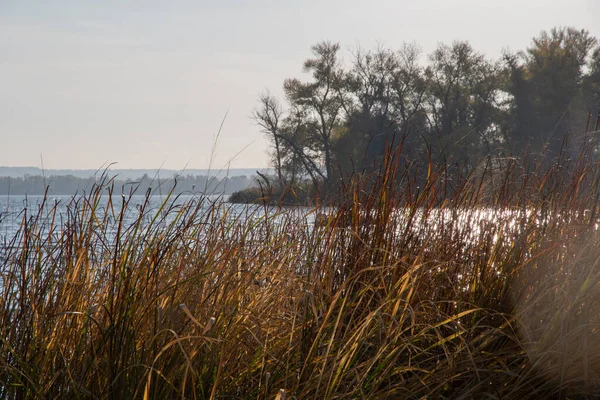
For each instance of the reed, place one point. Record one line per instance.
(468, 284)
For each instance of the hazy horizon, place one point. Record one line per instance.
(146, 85)
(128, 173)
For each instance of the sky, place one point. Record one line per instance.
(147, 83)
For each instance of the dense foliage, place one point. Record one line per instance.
(459, 108)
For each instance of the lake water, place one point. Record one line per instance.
(468, 224)
(14, 209)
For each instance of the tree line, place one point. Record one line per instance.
(457, 108)
(70, 185)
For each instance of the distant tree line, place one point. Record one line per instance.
(459, 107)
(69, 184)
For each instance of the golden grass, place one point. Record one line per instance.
(484, 285)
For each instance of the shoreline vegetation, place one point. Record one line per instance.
(402, 292)
(460, 108)
(274, 195)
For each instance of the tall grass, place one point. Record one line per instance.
(477, 284)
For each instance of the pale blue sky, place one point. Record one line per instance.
(145, 82)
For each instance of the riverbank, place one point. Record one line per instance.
(277, 195)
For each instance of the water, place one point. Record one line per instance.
(470, 225)
(15, 209)
(54, 211)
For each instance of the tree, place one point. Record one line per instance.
(522, 125)
(386, 104)
(547, 87)
(268, 117)
(319, 102)
(464, 100)
(591, 84)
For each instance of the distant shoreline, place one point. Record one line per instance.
(155, 184)
(131, 173)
